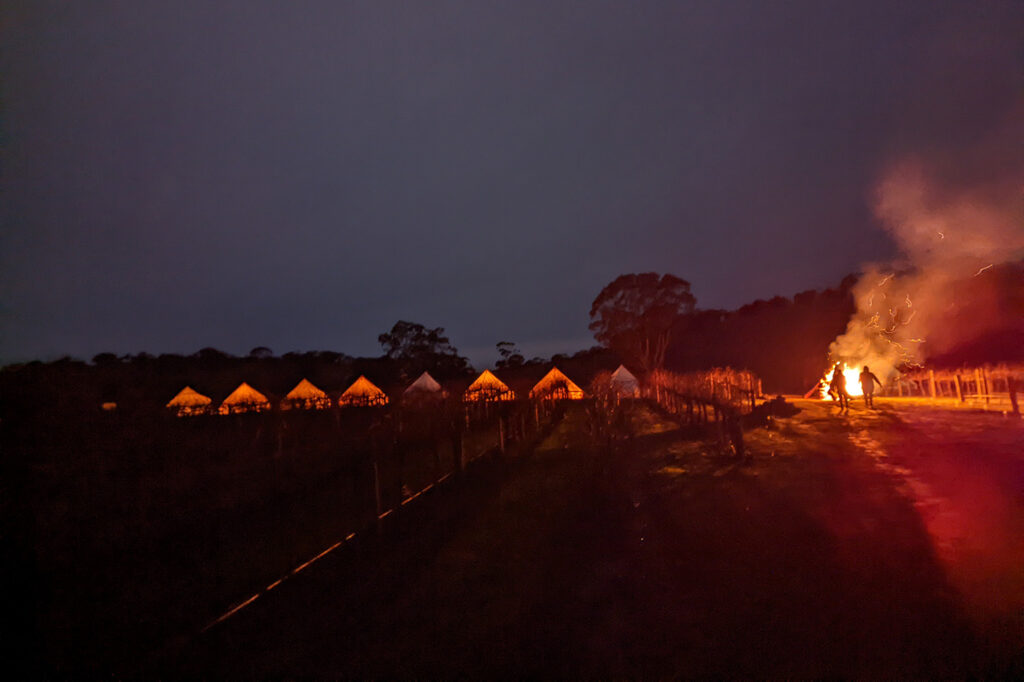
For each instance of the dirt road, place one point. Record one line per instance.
(874, 544)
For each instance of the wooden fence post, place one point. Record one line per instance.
(931, 383)
(1011, 386)
(457, 447)
(377, 491)
(735, 427)
(959, 388)
(501, 434)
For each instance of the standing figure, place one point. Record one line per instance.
(837, 387)
(867, 385)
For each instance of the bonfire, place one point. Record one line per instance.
(852, 375)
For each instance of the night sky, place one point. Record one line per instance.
(302, 175)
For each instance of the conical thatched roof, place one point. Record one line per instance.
(624, 383)
(189, 398)
(424, 384)
(558, 386)
(245, 398)
(488, 387)
(363, 393)
(305, 390)
(306, 395)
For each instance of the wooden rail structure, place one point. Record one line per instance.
(721, 389)
(719, 396)
(989, 387)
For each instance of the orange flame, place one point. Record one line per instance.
(852, 375)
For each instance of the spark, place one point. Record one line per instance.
(909, 304)
(910, 318)
(916, 340)
(941, 236)
(887, 278)
(871, 298)
(983, 269)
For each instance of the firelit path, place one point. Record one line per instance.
(869, 545)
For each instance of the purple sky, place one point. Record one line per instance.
(302, 175)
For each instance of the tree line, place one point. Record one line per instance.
(646, 321)
(652, 322)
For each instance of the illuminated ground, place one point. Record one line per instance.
(873, 544)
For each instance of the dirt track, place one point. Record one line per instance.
(868, 545)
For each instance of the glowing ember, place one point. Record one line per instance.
(852, 375)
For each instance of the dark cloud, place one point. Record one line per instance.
(181, 174)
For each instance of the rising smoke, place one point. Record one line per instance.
(958, 221)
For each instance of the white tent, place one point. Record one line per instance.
(425, 385)
(488, 387)
(624, 384)
(556, 386)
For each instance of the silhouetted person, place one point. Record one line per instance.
(867, 385)
(837, 388)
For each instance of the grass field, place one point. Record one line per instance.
(878, 543)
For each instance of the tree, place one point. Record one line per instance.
(210, 358)
(261, 352)
(634, 315)
(210, 354)
(511, 356)
(419, 349)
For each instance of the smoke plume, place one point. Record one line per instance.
(958, 221)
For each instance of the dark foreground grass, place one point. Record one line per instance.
(650, 556)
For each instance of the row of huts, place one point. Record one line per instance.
(364, 393)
